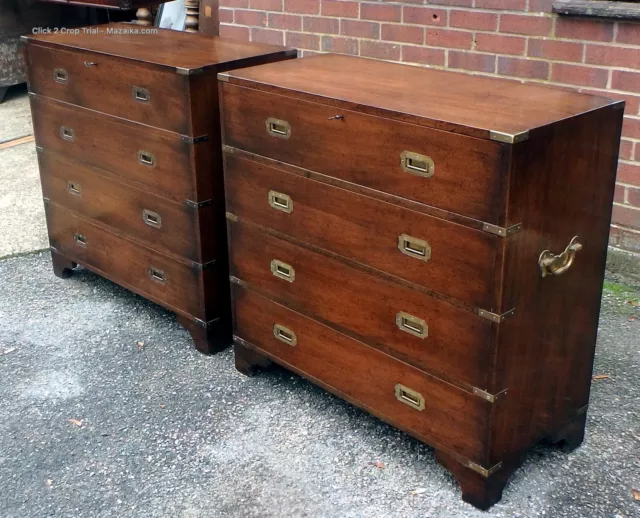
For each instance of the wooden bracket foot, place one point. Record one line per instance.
(248, 361)
(210, 337)
(571, 435)
(62, 267)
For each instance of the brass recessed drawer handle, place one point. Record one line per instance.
(153, 219)
(414, 247)
(551, 264)
(61, 76)
(80, 240)
(74, 188)
(278, 128)
(146, 158)
(157, 275)
(409, 397)
(284, 334)
(414, 163)
(90, 64)
(140, 94)
(283, 270)
(67, 133)
(413, 325)
(280, 201)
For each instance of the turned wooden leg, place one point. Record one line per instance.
(62, 267)
(210, 337)
(248, 361)
(192, 22)
(3, 92)
(571, 435)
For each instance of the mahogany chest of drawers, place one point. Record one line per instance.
(427, 245)
(127, 132)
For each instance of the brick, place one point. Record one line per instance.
(579, 75)
(404, 33)
(290, 22)
(631, 128)
(423, 55)
(234, 33)
(473, 20)
(523, 24)
(321, 25)
(360, 29)
(251, 18)
(267, 36)
(302, 40)
(636, 152)
(341, 9)
(523, 67)
(266, 5)
(633, 197)
(558, 50)
(450, 39)
(507, 5)
(632, 103)
(302, 6)
(628, 173)
(500, 44)
(457, 3)
(619, 194)
(540, 6)
(584, 29)
(626, 239)
(626, 149)
(472, 61)
(234, 3)
(628, 33)
(380, 50)
(628, 81)
(424, 16)
(613, 56)
(225, 15)
(380, 12)
(626, 216)
(340, 45)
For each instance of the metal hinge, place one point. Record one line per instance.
(223, 76)
(486, 473)
(494, 317)
(198, 205)
(508, 138)
(501, 231)
(195, 140)
(491, 398)
(231, 217)
(188, 71)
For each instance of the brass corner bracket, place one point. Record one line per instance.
(487, 396)
(224, 77)
(495, 317)
(508, 138)
(501, 231)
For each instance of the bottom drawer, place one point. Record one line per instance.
(175, 285)
(431, 410)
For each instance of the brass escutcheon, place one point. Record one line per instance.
(551, 264)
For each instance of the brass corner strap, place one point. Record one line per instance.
(486, 473)
(495, 317)
(508, 138)
(501, 231)
(224, 77)
(487, 396)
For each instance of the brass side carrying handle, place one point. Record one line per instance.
(61, 76)
(74, 188)
(146, 158)
(157, 275)
(66, 133)
(153, 219)
(551, 264)
(280, 201)
(414, 163)
(80, 240)
(284, 334)
(140, 94)
(409, 397)
(278, 128)
(283, 270)
(414, 247)
(413, 325)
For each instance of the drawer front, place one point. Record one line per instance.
(382, 154)
(442, 256)
(451, 418)
(416, 328)
(157, 159)
(110, 85)
(154, 276)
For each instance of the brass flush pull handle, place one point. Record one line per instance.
(420, 165)
(336, 117)
(283, 270)
(284, 334)
(409, 397)
(278, 128)
(153, 219)
(67, 133)
(413, 325)
(551, 264)
(74, 188)
(141, 94)
(146, 158)
(157, 275)
(414, 247)
(80, 240)
(60, 76)
(90, 64)
(280, 201)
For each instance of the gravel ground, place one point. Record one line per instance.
(107, 410)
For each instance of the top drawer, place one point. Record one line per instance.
(457, 173)
(110, 85)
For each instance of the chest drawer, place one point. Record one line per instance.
(449, 417)
(457, 173)
(158, 160)
(110, 85)
(423, 331)
(442, 256)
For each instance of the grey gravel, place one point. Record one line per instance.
(167, 432)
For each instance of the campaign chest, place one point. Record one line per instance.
(430, 246)
(126, 124)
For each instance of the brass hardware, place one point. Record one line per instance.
(228, 149)
(80, 240)
(146, 158)
(90, 64)
(420, 165)
(336, 117)
(153, 219)
(551, 264)
(231, 217)
(508, 138)
(140, 94)
(495, 317)
(414, 247)
(491, 398)
(39, 149)
(479, 469)
(281, 202)
(188, 71)
(413, 325)
(501, 231)
(60, 76)
(198, 204)
(74, 188)
(284, 334)
(223, 76)
(278, 128)
(67, 133)
(409, 397)
(194, 140)
(157, 275)
(283, 270)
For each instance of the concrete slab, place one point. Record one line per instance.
(94, 424)
(15, 114)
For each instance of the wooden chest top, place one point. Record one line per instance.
(471, 105)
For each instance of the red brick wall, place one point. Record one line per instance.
(520, 39)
